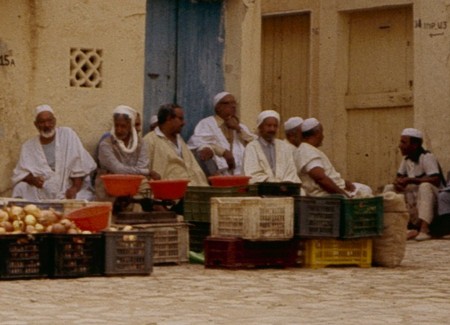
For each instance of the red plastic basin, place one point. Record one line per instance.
(93, 218)
(121, 184)
(231, 180)
(169, 189)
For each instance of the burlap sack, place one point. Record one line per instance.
(389, 249)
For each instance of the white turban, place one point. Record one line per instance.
(292, 123)
(43, 108)
(410, 132)
(153, 119)
(219, 96)
(126, 110)
(265, 114)
(309, 124)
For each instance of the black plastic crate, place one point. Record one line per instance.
(128, 252)
(24, 256)
(278, 189)
(198, 231)
(317, 216)
(362, 217)
(197, 200)
(77, 255)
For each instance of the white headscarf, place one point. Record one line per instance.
(265, 114)
(309, 124)
(410, 132)
(219, 96)
(292, 123)
(43, 108)
(131, 113)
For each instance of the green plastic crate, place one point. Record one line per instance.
(362, 217)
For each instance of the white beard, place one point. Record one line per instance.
(48, 134)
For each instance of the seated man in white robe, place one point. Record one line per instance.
(319, 177)
(219, 140)
(268, 159)
(169, 155)
(54, 164)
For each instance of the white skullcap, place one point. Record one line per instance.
(219, 96)
(410, 132)
(265, 114)
(292, 123)
(153, 119)
(126, 110)
(43, 108)
(309, 124)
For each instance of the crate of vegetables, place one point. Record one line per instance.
(128, 252)
(76, 255)
(24, 256)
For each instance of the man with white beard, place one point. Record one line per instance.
(54, 164)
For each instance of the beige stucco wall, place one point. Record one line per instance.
(431, 68)
(38, 35)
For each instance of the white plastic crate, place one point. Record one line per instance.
(170, 242)
(253, 218)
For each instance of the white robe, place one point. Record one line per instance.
(207, 132)
(306, 157)
(257, 166)
(71, 160)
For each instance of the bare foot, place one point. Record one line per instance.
(411, 234)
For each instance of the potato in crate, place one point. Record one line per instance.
(253, 218)
(24, 256)
(362, 217)
(128, 252)
(318, 253)
(317, 216)
(197, 200)
(77, 255)
(170, 242)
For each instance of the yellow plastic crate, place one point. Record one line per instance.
(252, 218)
(317, 253)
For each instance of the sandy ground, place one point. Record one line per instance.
(417, 292)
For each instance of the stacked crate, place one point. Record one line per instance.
(249, 232)
(170, 236)
(337, 231)
(197, 209)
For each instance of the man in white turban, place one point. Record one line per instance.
(318, 176)
(268, 159)
(419, 178)
(221, 137)
(293, 131)
(54, 164)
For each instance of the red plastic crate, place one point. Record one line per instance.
(237, 253)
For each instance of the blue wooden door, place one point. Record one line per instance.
(183, 60)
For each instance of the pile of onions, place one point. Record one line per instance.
(31, 219)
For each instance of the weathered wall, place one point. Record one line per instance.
(39, 36)
(329, 62)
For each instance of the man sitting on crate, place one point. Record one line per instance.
(419, 177)
(219, 140)
(318, 176)
(54, 164)
(268, 159)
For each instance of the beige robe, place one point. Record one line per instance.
(257, 166)
(165, 160)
